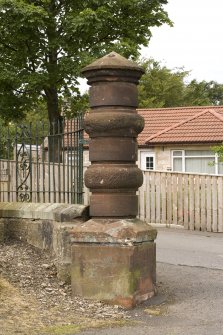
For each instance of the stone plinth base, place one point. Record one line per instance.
(114, 261)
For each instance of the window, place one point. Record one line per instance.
(147, 161)
(196, 161)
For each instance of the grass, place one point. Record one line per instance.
(87, 324)
(21, 313)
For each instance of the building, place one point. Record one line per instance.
(181, 139)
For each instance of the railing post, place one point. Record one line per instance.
(113, 253)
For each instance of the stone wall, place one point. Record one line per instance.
(45, 226)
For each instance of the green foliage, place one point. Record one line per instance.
(75, 105)
(45, 43)
(7, 138)
(205, 92)
(36, 123)
(37, 113)
(218, 149)
(163, 87)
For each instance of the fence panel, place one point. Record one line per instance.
(169, 199)
(141, 200)
(180, 201)
(191, 200)
(220, 204)
(203, 203)
(147, 200)
(164, 198)
(208, 203)
(197, 200)
(158, 196)
(214, 205)
(185, 201)
(174, 197)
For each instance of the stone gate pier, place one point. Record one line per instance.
(113, 253)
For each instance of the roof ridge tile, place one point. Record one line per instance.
(216, 114)
(175, 125)
(180, 108)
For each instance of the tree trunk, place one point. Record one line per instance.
(55, 121)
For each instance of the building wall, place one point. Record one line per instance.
(163, 154)
(163, 158)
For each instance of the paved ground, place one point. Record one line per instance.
(190, 282)
(180, 247)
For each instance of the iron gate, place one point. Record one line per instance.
(42, 162)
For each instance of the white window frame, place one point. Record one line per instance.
(182, 156)
(143, 156)
(214, 156)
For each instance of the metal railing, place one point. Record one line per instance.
(42, 162)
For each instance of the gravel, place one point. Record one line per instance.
(33, 298)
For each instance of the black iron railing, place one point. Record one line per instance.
(42, 162)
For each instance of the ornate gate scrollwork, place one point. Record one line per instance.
(23, 167)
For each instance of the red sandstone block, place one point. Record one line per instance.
(117, 274)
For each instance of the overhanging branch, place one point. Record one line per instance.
(8, 46)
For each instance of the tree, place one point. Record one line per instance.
(216, 93)
(162, 87)
(45, 43)
(35, 121)
(204, 93)
(75, 105)
(218, 149)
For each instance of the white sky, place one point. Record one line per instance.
(195, 41)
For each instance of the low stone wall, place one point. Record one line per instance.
(45, 226)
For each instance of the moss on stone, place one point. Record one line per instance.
(134, 277)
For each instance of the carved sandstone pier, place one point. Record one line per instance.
(113, 254)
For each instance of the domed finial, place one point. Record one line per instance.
(113, 61)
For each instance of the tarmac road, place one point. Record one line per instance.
(183, 247)
(190, 285)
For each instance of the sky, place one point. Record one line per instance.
(195, 42)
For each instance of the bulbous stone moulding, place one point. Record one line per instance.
(113, 126)
(114, 122)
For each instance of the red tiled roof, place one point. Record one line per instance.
(203, 124)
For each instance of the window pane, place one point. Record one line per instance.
(149, 163)
(177, 164)
(220, 168)
(177, 153)
(199, 153)
(199, 165)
